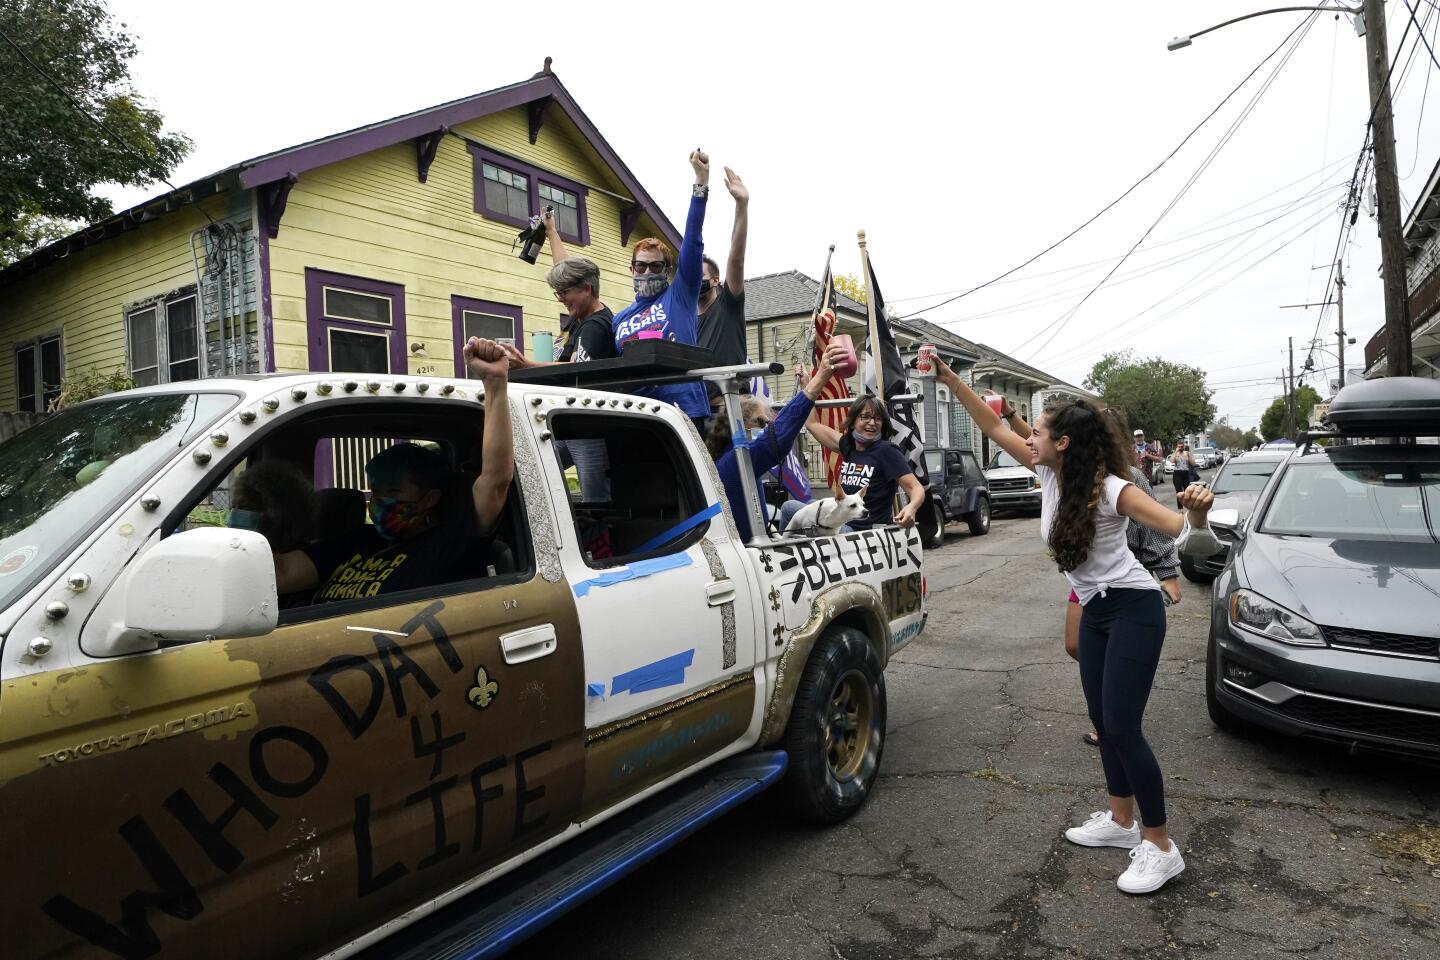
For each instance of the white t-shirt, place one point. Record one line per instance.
(1110, 563)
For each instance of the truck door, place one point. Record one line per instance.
(276, 795)
(663, 600)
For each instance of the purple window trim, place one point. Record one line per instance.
(458, 306)
(317, 324)
(535, 176)
(267, 316)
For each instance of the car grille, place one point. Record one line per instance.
(1365, 719)
(1369, 641)
(1010, 485)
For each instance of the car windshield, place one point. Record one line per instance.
(1003, 459)
(1241, 476)
(68, 472)
(1364, 500)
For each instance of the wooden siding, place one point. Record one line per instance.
(371, 217)
(87, 294)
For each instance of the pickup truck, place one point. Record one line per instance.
(194, 766)
(957, 491)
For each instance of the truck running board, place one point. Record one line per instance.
(499, 915)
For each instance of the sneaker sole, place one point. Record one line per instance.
(1169, 875)
(1086, 842)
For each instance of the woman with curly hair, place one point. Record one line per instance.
(1087, 503)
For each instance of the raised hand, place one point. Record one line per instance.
(486, 359)
(1196, 497)
(700, 163)
(736, 186)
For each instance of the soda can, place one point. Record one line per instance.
(925, 360)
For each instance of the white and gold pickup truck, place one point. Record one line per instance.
(193, 764)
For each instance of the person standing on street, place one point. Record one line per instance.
(1087, 503)
(722, 304)
(1146, 458)
(1186, 471)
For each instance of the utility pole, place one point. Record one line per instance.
(1290, 384)
(1387, 190)
(1340, 303)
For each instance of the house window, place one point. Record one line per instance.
(506, 193)
(39, 368)
(356, 306)
(487, 320)
(162, 341)
(512, 191)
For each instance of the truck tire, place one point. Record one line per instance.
(932, 526)
(1187, 567)
(836, 732)
(979, 518)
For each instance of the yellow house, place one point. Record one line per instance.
(377, 250)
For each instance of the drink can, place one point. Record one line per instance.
(925, 360)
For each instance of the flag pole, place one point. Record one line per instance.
(874, 332)
(819, 305)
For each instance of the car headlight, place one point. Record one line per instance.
(1252, 612)
(1034, 483)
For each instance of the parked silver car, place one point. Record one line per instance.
(1326, 621)
(1236, 487)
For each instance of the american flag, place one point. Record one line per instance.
(892, 380)
(790, 472)
(835, 388)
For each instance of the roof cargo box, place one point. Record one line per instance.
(1388, 407)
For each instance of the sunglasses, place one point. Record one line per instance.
(647, 266)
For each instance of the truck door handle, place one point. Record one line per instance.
(529, 644)
(720, 592)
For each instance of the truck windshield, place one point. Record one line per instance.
(1003, 459)
(1364, 501)
(67, 473)
(1238, 476)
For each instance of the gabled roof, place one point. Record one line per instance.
(789, 294)
(941, 337)
(539, 92)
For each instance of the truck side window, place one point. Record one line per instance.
(638, 494)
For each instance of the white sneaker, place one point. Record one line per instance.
(1151, 868)
(1101, 830)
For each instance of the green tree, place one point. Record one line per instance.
(54, 156)
(1162, 398)
(1226, 437)
(1275, 422)
(850, 285)
(1252, 439)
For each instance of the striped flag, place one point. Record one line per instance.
(836, 388)
(790, 472)
(892, 381)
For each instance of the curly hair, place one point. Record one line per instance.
(864, 403)
(284, 498)
(1096, 448)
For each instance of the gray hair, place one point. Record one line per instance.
(573, 272)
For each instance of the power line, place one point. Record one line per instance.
(115, 139)
(1423, 39)
(1302, 29)
(1129, 190)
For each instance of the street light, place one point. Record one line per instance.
(1178, 43)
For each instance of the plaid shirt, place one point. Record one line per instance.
(1155, 551)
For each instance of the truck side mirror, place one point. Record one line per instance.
(211, 583)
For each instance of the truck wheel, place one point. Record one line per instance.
(932, 528)
(979, 518)
(837, 729)
(1187, 567)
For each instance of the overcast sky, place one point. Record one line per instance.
(963, 138)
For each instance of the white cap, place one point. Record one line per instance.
(1139, 433)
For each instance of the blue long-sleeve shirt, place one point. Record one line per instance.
(765, 453)
(673, 314)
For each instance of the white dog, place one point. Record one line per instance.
(826, 517)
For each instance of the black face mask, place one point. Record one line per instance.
(704, 288)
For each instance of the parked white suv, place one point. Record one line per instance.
(1011, 484)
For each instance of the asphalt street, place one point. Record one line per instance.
(1292, 848)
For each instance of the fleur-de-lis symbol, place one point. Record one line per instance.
(484, 692)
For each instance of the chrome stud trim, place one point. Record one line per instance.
(545, 435)
(569, 401)
(446, 389)
(422, 387)
(202, 457)
(323, 388)
(349, 386)
(220, 438)
(373, 386)
(398, 387)
(247, 416)
(39, 647)
(536, 401)
(150, 502)
(298, 393)
(78, 582)
(270, 404)
(57, 609)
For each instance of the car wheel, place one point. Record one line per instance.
(932, 527)
(1192, 574)
(837, 729)
(979, 518)
(1219, 714)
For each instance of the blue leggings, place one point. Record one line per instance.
(1120, 638)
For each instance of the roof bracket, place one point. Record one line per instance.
(536, 110)
(273, 197)
(425, 147)
(629, 220)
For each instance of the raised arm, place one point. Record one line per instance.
(986, 419)
(690, 268)
(487, 360)
(1195, 498)
(735, 265)
(552, 234)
